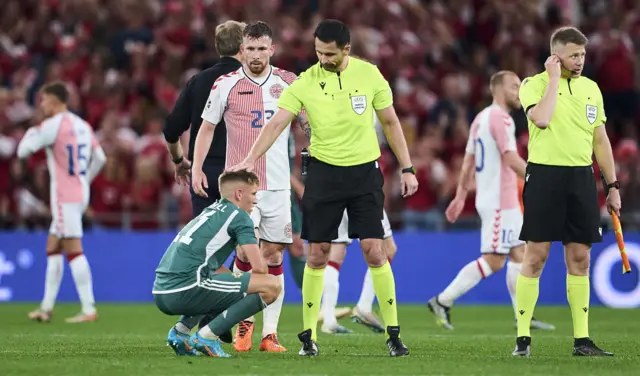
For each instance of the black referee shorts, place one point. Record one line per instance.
(212, 172)
(329, 190)
(560, 204)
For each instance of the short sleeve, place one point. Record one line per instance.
(382, 96)
(531, 91)
(503, 131)
(214, 109)
(290, 99)
(241, 229)
(602, 117)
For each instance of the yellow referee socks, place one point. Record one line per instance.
(527, 290)
(385, 287)
(312, 287)
(578, 297)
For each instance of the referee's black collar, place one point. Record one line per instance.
(230, 60)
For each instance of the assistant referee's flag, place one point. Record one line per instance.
(617, 228)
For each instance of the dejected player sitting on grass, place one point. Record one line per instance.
(191, 280)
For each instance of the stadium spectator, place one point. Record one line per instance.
(125, 61)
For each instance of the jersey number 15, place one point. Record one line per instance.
(77, 152)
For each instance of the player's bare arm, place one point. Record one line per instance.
(465, 184)
(258, 264)
(515, 162)
(542, 113)
(200, 150)
(604, 156)
(393, 131)
(267, 137)
(297, 186)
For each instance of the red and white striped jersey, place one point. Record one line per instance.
(492, 135)
(247, 104)
(74, 155)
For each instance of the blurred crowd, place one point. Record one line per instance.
(127, 60)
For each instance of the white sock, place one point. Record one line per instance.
(182, 328)
(513, 269)
(469, 276)
(271, 314)
(55, 271)
(237, 269)
(330, 294)
(82, 277)
(368, 294)
(206, 332)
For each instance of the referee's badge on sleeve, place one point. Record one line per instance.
(592, 113)
(359, 104)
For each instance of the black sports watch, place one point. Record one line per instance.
(409, 170)
(178, 160)
(615, 184)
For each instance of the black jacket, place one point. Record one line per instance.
(188, 111)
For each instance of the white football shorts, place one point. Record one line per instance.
(66, 220)
(500, 230)
(272, 216)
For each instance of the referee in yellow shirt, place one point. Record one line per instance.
(566, 126)
(339, 94)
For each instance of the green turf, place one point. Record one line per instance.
(130, 340)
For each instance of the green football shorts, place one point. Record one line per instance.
(211, 297)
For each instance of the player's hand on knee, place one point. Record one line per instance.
(199, 183)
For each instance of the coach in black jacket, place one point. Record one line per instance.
(188, 112)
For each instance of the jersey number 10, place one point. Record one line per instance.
(73, 152)
(479, 155)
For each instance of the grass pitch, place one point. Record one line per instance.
(130, 340)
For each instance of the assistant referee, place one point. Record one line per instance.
(188, 112)
(339, 94)
(566, 126)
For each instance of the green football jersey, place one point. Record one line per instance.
(202, 246)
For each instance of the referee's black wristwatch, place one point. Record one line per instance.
(179, 160)
(615, 184)
(409, 170)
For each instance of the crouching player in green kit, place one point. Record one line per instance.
(191, 280)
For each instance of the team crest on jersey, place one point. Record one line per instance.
(359, 104)
(592, 113)
(275, 90)
(237, 274)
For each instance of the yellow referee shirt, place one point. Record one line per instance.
(340, 109)
(568, 140)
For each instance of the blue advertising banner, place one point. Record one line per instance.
(123, 265)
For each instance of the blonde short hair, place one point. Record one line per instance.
(229, 37)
